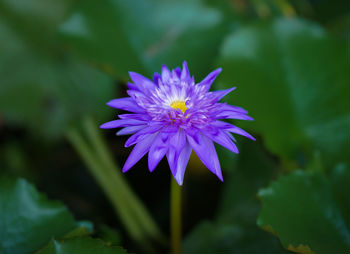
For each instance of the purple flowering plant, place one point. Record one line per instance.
(171, 115)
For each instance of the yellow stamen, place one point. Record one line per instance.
(179, 105)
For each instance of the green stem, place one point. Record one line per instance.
(105, 182)
(175, 217)
(137, 209)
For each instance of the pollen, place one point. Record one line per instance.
(179, 105)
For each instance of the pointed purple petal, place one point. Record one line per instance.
(121, 123)
(157, 151)
(142, 117)
(138, 152)
(131, 86)
(227, 107)
(177, 72)
(185, 74)
(127, 104)
(208, 80)
(218, 95)
(140, 98)
(182, 163)
(233, 115)
(176, 144)
(206, 152)
(222, 138)
(231, 128)
(141, 133)
(130, 130)
(156, 78)
(165, 73)
(142, 83)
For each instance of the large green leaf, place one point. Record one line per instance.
(82, 245)
(28, 219)
(42, 88)
(234, 230)
(142, 35)
(294, 80)
(301, 210)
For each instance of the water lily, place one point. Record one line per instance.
(171, 115)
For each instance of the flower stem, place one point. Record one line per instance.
(175, 217)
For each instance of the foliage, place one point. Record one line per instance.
(116, 35)
(297, 98)
(306, 199)
(29, 221)
(234, 228)
(41, 86)
(80, 245)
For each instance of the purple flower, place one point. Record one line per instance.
(172, 115)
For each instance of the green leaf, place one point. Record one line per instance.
(293, 79)
(142, 35)
(301, 210)
(28, 219)
(109, 235)
(78, 231)
(216, 237)
(83, 245)
(234, 229)
(42, 88)
(253, 170)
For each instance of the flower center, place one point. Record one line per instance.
(179, 105)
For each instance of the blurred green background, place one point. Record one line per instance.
(62, 60)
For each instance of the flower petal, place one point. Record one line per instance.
(157, 151)
(143, 84)
(121, 123)
(142, 117)
(182, 164)
(177, 72)
(231, 128)
(176, 144)
(185, 73)
(130, 130)
(127, 104)
(156, 78)
(165, 74)
(208, 80)
(233, 115)
(206, 152)
(140, 98)
(141, 133)
(218, 95)
(222, 139)
(227, 107)
(139, 151)
(132, 86)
